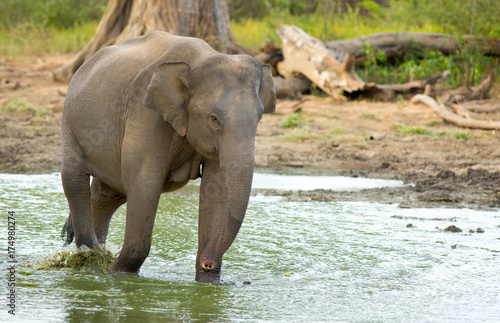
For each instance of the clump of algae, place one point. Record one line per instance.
(97, 260)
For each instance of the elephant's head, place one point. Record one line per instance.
(216, 104)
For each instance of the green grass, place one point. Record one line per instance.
(300, 135)
(369, 116)
(31, 40)
(415, 131)
(293, 120)
(339, 130)
(19, 105)
(254, 33)
(456, 134)
(423, 131)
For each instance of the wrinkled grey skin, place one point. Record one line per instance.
(144, 117)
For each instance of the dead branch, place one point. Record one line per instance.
(467, 93)
(484, 106)
(462, 110)
(451, 117)
(415, 85)
(291, 88)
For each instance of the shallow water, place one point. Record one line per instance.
(305, 261)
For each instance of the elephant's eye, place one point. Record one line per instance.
(214, 119)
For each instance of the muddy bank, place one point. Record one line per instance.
(475, 190)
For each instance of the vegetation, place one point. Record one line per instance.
(423, 131)
(19, 105)
(415, 131)
(293, 120)
(36, 27)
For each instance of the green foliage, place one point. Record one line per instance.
(33, 27)
(44, 13)
(30, 40)
(467, 66)
(293, 120)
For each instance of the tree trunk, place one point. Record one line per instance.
(125, 19)
(397, 43)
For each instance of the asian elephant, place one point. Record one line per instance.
(146, 116)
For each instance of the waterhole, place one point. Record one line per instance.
(292, 260)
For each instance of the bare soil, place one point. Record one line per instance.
(448, 165)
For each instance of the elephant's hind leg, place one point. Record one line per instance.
(77, 189)
(76, 185)
(104, 202)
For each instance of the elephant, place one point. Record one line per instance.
(145, 117)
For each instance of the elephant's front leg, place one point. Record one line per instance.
(144, 165)
(141, 211)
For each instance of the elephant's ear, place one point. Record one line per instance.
(267, 94)
(167, 94)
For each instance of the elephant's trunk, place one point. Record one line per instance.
(224, 194)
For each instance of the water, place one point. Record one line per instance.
(305, 261)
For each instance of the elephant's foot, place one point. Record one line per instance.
(127, 264)
(89, 241)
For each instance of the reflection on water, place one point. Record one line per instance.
(320, 261)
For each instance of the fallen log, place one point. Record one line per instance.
(451, 117)
(395, 44)
(467, 93)
(462, 111)
(291, 88)
(309, 56)
(485, 106)
(414, 85)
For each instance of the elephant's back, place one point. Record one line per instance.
(107, 74)
(115, 66)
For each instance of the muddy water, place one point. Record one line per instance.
(292, 261)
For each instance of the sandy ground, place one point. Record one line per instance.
(449, 166)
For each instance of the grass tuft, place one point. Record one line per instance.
(293, 120)
(19, 105)
(414, 131)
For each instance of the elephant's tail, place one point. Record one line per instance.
(67, 232)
